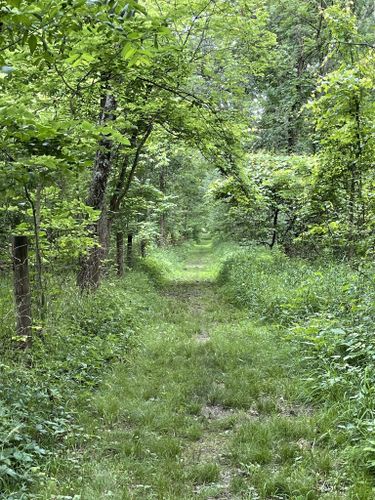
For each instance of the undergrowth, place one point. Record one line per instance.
(322, 312)
(327, 310)
(42, 388)
(151, 425)
(164, 265)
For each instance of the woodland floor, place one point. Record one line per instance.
(209, 406)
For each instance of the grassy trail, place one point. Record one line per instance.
(209, 406)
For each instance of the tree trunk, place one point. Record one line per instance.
(22, 296)
(352, 210)
(129, 252)
(162, 218)
(36, 208)
(274, 233)
(90, 264)
(124, 181)
(120, 253)
(293, 126)
(355, 194)
(162, 230)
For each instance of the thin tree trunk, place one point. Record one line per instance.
(162, 219)
(275, 221)
(352, 209)
(90, 265)
(22, 295)
(355, 194)
(133, 168)
(293, 130)
(120, 253)
(129, 251)
(123, 183)
(162, 230)
(35, 208)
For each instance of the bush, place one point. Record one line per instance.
(164, 263)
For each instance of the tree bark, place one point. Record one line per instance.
(274, 231)
(293, 128)
(22, 295)
(129, 251)
(355, 188)
(123, 183)
(90, 264)
(120, 253)
(36, 208)
(162, 218)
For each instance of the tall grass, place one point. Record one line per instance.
(327, 310)
(40, 389)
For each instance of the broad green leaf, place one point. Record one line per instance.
(128, 51)
(33, 42)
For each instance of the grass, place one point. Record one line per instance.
(41, 390)
(211, 404)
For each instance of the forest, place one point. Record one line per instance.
(187, 243)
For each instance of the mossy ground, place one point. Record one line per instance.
(211, 405)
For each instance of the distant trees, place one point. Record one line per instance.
(319, 101)
(274, 211)
(343, 112)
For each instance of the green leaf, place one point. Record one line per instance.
(14, 3)
(135, 35)
(128, 51)
(33, 42)
(8, 471)
(87, 57)
(164, 30)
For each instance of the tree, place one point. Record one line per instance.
(343, 110)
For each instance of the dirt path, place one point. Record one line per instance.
(212, 447)
(221, 417)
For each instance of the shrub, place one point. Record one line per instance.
(157, 267)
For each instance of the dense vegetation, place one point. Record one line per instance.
(131, 132)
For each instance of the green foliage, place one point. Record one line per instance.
(251, 120)
(301, 33)
(40, 391)
(343, 182)
(269, 203)
(285, 291)
(158, 267)
(327, 310)
(210, 404)
(343, 109)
